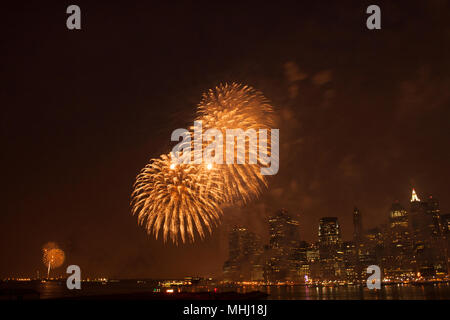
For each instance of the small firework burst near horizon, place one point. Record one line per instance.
(184, 199)
(52, 256)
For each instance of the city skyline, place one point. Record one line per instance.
(412, 245)
(296, 219)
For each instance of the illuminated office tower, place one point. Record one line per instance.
(244, 259)
(330, 248)
(329, 232)
(359, 244)
(445, 224)
(283, 243)
(357, 225)
(313, 261)
(420, 223)
(399, 248)
(434, 211)
(429, 245)
(375, 240)
(438, 243)
(425, 226)
(398, 216)
(350, 260)
(298, 262)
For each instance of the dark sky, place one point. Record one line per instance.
(363, 116)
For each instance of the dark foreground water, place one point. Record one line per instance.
(393, 292)
(56, 289)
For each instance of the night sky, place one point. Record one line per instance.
(363, 117)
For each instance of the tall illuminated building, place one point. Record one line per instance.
(313, 261)
(399, 247)
(426, 233)
(298, 262)
(330, 248)
(434, 211)
(398, 217)
(375, 245)
(245, 256)
(284, 246)
(357, 225)
(350, 260)
(445, 225)
(329, 232)
(359, 244)
(438, 242)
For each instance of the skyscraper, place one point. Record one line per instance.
(330, 248)
(284, 245)
(329, 232)
(445, 224)
(245, 255)
(434, 211)
(398, 217)
(399, 250)
(358, 244)
(313, 261)
(425, 225)
(350, 260)
(357, 225)
(375, 247)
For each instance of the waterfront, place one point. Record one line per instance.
(57, 289)
(390, 292)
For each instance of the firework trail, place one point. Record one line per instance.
(184, 198)
(53, 257)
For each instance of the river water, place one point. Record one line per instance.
(49, 290)
(391, 292)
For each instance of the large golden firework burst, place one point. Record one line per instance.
(238, 107)
(184, 199)
(177, 198)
